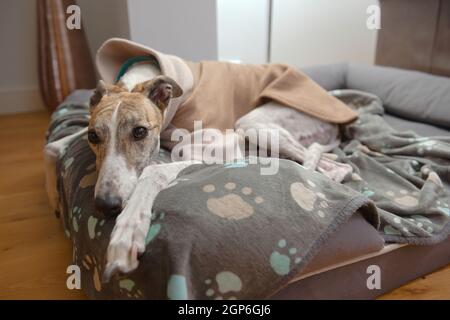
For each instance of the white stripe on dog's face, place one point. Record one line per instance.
(115, 177)
(120, 156)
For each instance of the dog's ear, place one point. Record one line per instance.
(98, 94)
(160, 90)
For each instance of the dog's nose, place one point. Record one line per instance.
(110, 207)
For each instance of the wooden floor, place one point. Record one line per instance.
(34, 253)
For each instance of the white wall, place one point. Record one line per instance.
(19, 85)
(103, 19)
(304, 32)
(243, 30)
(19, 89)
(184, 28)
(308, 32)
(203, 29)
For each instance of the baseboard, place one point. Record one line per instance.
(22, 99)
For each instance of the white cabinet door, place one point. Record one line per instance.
(310, 32)
(243, 30)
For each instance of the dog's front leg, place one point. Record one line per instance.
(128, 236)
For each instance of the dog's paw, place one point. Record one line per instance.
(126, 244)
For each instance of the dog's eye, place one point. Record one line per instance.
(93, 137)
(139, 133)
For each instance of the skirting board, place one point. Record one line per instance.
(21, 99)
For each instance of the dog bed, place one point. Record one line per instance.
(274, 239)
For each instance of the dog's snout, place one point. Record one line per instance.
(108, 206)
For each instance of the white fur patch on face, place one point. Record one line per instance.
(113, 128)
(115, 178)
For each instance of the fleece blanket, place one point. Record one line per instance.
(405, 175)
(227, 232)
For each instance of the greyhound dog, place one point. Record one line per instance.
(124, 133)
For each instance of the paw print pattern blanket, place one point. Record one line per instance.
(227, 232)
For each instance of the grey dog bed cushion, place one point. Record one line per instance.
(358, 237)
(349, 281)
(411, 95)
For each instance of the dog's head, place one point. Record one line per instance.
(124, 131)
